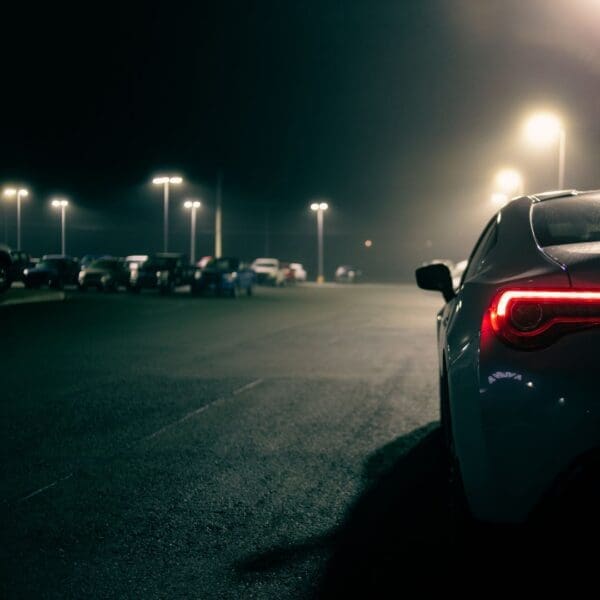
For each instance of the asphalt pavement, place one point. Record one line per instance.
(284, 445)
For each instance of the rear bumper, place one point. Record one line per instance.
(530, 418)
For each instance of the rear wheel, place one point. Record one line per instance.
(249, 291)
(456, 493)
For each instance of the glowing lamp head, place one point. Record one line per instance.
(60, 202)
(368, 243)
(192, 204)
(314, 206)
(175, 180)
(10, 192)
(509, 180)
(543, 129)
(323, 206)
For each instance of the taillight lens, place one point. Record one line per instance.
(531, 319)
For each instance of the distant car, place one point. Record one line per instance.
(299, 271)
(20, 261)
(517, 356)
(224, 277)
(54, 271)
(289, 277)
(268, 272)
(163, 271)
(457, 272)
(86, 259)
(105, 274)
(5, 269)
(347, 274)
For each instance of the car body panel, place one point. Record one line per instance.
(519, 418)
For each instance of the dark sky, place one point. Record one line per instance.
(398, 112)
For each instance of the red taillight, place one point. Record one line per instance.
(532, 319)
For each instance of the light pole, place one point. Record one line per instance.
(62, 204)
(543, 129)
(19, 193)
(320, 208)
(166, 181)
(192, 206)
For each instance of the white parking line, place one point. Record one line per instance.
(189, 415)
(158, 432)
(247, 387)
(46, 487)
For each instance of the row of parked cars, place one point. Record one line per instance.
(165, 271)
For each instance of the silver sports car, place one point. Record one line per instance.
(519, 393)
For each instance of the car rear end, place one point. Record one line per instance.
(538, 403)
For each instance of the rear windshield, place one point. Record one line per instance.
(567, 221)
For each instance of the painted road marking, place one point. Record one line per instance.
(158, 432)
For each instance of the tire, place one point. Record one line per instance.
(57, 285)
(81, 288)
(456, 492)
(249, 291)
(234, 292)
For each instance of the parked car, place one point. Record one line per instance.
(517, 347)
(20, 261)
(347, 274)
(224, 277)
(54, 270)
(163, 271)
(86, 259)
(5, 268)
(299, 271)
(105, 274)
(268, 272)
(289, 277)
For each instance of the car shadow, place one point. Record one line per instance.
(405, 527)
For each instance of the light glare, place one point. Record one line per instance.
(543, 128)
(509, 180)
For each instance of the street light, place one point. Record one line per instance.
(542, 129)
(19, 193)
(509, 181)
(192, 206)
(320, 208)
(166, 181)
(62, 204)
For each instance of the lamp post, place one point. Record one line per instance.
(166, 181)
(18, 193)
(545, 128)
(192, 206)
(320, 208)
(62, 204)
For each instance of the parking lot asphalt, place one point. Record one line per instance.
(284, 445)
(185, 447)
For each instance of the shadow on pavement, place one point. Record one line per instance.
(402, 529)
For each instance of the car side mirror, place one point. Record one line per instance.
(436, 277)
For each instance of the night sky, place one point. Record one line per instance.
(398, 112)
